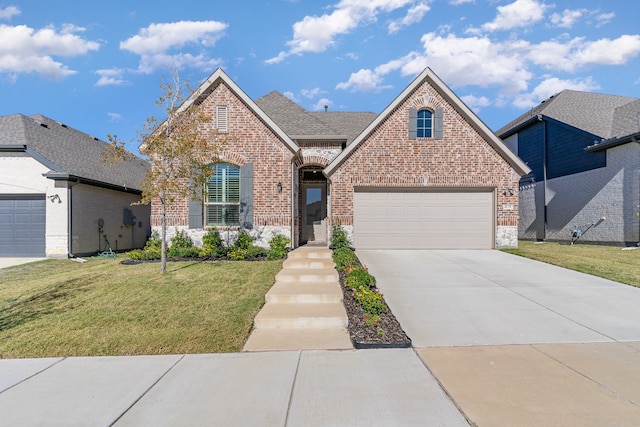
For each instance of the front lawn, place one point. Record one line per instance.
(101, 307)
(610, 262)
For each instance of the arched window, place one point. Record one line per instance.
(222, 196)
(425, 124)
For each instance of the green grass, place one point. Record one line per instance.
(64, 308)
(610, 262)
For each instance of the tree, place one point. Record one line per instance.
(181, 149)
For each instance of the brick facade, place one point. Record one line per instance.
(462, 159)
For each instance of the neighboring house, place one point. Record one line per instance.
(585, 158)
(424, 173)
(58, 198)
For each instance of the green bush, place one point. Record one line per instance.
(151, 251)
(257, 252)
(181, 240)
(372, 302)
(339, 238)
(344, 259)
(359, 278)
(244, 240)
(238, 254)
(278, 246)
(212, 245)
(189, 252)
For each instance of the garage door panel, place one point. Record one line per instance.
(22, 226)
(423, 220)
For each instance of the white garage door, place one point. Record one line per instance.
(389, 219)
(22, 226)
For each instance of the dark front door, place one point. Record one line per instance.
(314, 212)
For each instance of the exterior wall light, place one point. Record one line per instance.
(279, 187)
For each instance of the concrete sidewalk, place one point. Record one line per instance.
(308, 388)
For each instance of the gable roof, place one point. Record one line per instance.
(428, 75)
(599, 114)
(219, 76)
(68, 152)
(301, 124)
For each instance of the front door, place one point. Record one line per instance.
(314, 213)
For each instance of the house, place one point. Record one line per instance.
(58, 198)
(424, 173)
(584, 154)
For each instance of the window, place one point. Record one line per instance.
(425, 124)
(222, 198)
(222, 122)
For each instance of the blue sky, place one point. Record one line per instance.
(96, 66)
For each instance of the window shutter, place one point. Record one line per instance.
(413, 123)
(437, 123)
(195, 213)
(246, 196)
(222, 122)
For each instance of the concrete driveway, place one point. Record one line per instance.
(463, 298)
(11, 261)
(515, 341)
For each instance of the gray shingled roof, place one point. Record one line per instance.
(69, 151)
(296, 122)
(599, 114)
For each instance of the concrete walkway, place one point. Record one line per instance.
(304, 309)
(287, 388)
(12, 261)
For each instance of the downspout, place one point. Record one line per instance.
(70, 185)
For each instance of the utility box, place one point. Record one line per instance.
(127, 217)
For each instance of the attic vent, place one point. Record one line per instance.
(44, 125)
(222, 121)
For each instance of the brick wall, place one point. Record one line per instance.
(250, 140)
(462, 159)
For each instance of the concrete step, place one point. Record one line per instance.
(308, 263)
(293, 316)
(311, 252)
(298, 339)
(305, 293)
(318, 275)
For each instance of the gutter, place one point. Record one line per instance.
(613, 142)
(70, 219)
(63, 176)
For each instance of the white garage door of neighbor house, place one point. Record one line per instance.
(22, 226)
(390, 219)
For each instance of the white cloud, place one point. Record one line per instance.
(459, 2)
(319, 106)
(111, 77)
(154, 43)
(604, 18)
(311, 93)
(8, 12)
(521, 13)
(578, 53)
(115, 117)
(567, 18)
(291, 96)
(26, 50)
(476, 103)
(364, 80)
(317, 33)
(551, 86)
(414, 15)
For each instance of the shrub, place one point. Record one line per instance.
(182, 245)
(372, 302)
(359, 278)
(238, 254)
(212, 245)
(151, 251)
(244, 240)
(256, 252)
(153, 241)
(278, 246)
(345, 259)
(339, 238)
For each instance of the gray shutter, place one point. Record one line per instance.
(246, 196)
(195, 213)
(437, 123)
(413, 123)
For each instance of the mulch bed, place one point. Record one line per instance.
(387, 333)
